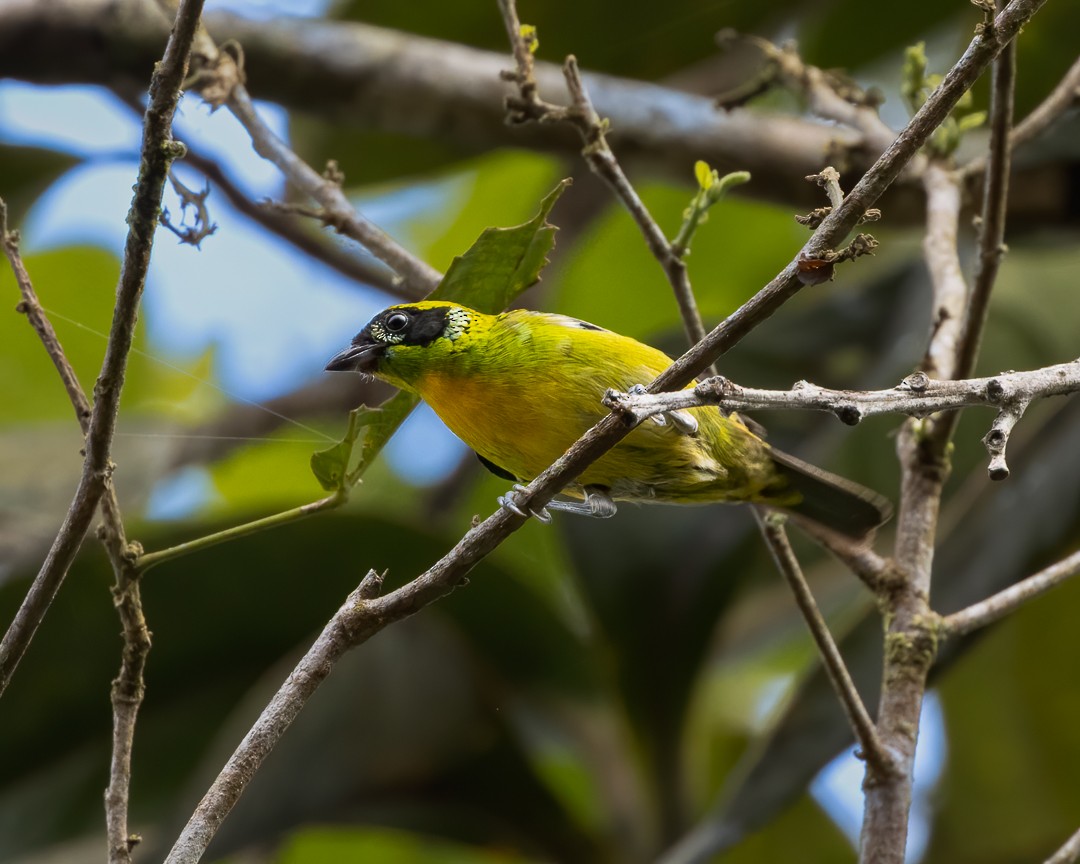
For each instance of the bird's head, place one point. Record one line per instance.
(399, 343)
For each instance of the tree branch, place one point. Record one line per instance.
(941, 250)
(419, 278)
(875, 754)
(347, 628)
(1064, 95)
(366, 272)
(158, 152)
(127, 689)
(991, 241)
(917, 395)
(1068, 853)
(35, 314)
(360, 76)
(1008, 600)
(912, 630)
(827, 93)
(98, 425)
(598, 156)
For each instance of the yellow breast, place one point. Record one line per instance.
(520, 432)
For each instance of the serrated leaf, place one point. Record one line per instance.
(502, 262)
(376, 425)
(331, 465)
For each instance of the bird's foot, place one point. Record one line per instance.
(509, 501)
(597, 504)
(682, 422)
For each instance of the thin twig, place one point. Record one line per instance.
(600, 159)
(940, 247)
(127, 689)
(354, 267)
(1064, 95)
(912, 629)
(991, 235)
(220, 79)
(344, 630)
(35, 314)
(1068, 853)
(828, 95)
(1008, 600)
(98, 424)
(979, 54)
(158, 151)
(918, 395)
(873, 751)
(366, 272)
(485, 537)
(420, 278)
(877, 573)
(152, 559)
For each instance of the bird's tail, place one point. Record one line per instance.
(832, 501)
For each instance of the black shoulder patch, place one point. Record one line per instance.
(425, 326)
(568, 321)
(496, 470)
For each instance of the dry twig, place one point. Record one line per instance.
(158, 152)
(98, 424)
(1068, 853)
(598, 155)
(1008, 600)
(872, 750)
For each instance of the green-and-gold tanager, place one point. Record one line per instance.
(519, 388)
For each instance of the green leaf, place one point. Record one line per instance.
(705, 175)
(315, 845)
(502, 262)
(913, 76)
(528, 33)
(376, 425)
(971, 121)
(331, 465)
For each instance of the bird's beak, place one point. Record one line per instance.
(361, 356)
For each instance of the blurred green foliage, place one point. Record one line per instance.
(598, 688)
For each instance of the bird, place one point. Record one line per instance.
(520, 387)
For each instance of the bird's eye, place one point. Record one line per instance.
(396, 322)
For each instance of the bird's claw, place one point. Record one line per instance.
(597, 504)
(509, 502)
(682, 421)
